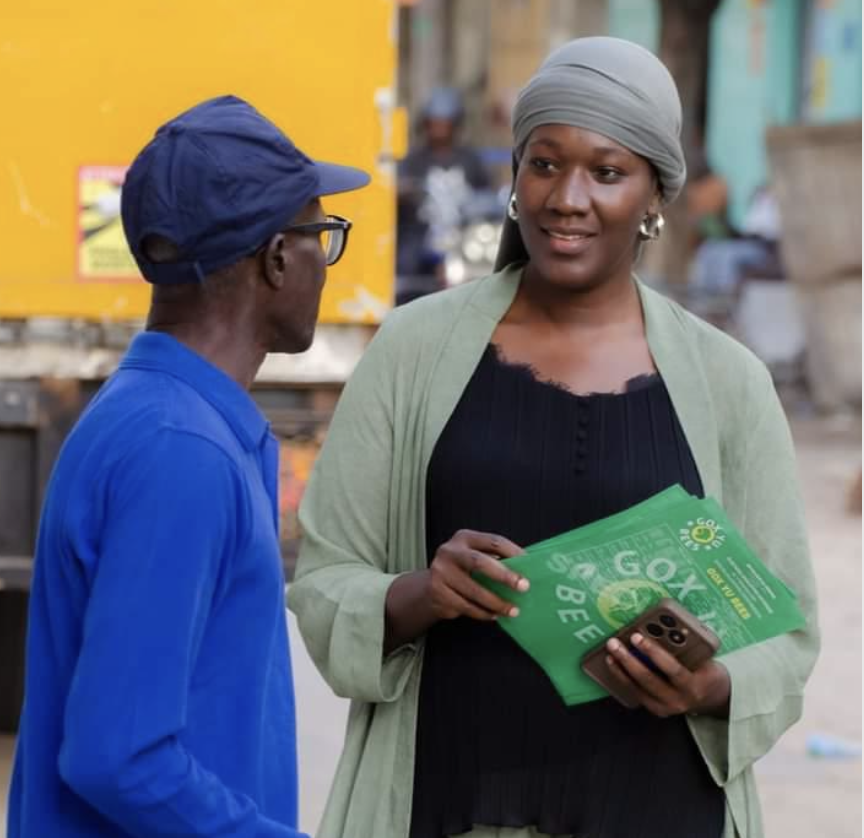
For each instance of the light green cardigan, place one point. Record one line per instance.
(363, 521)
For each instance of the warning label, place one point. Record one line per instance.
(102, 249)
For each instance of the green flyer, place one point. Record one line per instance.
(588, 583)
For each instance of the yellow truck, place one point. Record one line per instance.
(85, 85)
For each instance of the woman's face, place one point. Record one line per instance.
(581, 198)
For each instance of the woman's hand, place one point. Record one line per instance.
(704, 691)
(450, 588)
(446, 590)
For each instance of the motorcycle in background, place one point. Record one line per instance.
(461, 241)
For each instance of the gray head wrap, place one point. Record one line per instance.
(612, 87)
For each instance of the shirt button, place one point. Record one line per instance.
(581, 434)
(583, 418)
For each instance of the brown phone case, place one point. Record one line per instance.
(668, 624)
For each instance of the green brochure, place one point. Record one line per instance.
(588, 583)
(663, 500)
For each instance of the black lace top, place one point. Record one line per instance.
(496, 745)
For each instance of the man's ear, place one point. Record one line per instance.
(275, 264)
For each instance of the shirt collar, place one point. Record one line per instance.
(164, 353)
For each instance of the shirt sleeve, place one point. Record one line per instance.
(172, 515)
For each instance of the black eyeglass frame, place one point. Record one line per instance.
(315, 228)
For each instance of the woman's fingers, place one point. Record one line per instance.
(473, 561)
(491, 543)
(667, 663)
(651, 704)
(457, 605)
(664, 686)
(652, 687)
(456, 566)
(483, 551)
(465, 584)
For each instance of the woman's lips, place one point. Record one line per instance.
(568, 243)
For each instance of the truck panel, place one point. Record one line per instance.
(86, 84)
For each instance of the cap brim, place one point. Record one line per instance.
(333, 178)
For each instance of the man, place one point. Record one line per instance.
(436, 181)
(159, 698)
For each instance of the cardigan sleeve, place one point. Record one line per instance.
(341, 581)
(760, 491)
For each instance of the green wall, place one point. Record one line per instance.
(635, 20)
(752, 83)
(771, 62)
(833, 61)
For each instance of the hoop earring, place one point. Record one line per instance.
(651, 227)
(512, 209)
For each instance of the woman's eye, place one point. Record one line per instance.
(609, 174)
(541, 164)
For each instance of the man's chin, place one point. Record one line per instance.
(306, 342)
(291, 344)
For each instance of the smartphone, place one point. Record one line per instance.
(668, 624)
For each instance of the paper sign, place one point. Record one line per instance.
(102, 249)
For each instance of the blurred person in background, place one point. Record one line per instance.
(159, 697)
(551, 394)
(720, 264)
(707, 198)
(436, 180)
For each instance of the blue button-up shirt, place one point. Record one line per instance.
(158, 690)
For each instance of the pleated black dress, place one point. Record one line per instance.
(496, 745)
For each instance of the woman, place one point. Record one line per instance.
(552, 393)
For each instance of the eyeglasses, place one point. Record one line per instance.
(332, 233)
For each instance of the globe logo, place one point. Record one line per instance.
(702, 534)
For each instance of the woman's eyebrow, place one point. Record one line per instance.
(600, 151)
(607, 151)
(544, 141)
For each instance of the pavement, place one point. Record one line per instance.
(803, 796)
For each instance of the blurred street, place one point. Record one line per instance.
(803, 796)
(762, 242)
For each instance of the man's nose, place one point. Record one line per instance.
(572, 194)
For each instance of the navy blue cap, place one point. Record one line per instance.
(443, 103)
(218, 181)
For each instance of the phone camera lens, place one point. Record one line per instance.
(668, 621)
(677, 637)
(654, 630)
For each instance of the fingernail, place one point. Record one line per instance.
(613, 645)
(637, 639)
(523, 585)
(513, 612)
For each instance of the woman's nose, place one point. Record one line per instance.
(570, 195)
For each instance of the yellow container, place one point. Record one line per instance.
(86, 84)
